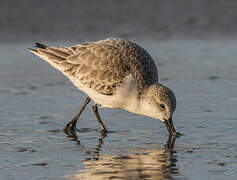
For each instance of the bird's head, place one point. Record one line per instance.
(159, 102)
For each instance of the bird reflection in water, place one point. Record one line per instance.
(154, 163)
(94, 154)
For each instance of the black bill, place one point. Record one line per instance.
(170, 126)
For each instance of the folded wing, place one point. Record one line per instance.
(98, 66)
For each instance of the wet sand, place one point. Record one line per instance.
(37, 101)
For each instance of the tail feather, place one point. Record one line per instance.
(48, 54)
(32, 50)
(53, 55)
(39, 45)
(58, 52)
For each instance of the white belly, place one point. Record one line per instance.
(123, 96)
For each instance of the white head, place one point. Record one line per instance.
(159, 102)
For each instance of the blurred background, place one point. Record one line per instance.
(193, 42)
(77, 20)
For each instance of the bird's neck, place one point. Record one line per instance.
(134, 103)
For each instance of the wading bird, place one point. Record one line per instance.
(114, 73)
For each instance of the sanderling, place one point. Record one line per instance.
(114, 73)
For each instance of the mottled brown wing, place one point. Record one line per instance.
(99, 66)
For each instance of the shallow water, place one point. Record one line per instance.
(37, 101)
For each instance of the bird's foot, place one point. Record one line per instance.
(177, 134)
(70, 126)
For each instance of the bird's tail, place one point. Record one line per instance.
(56, 56)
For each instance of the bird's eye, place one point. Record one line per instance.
(162, 106)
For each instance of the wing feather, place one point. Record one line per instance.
(97, 69)
(58, 52)
(102, 65)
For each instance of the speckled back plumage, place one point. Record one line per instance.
(137, 60)
(102, 65)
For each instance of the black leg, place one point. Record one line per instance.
(73, 122)
(102, 126)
